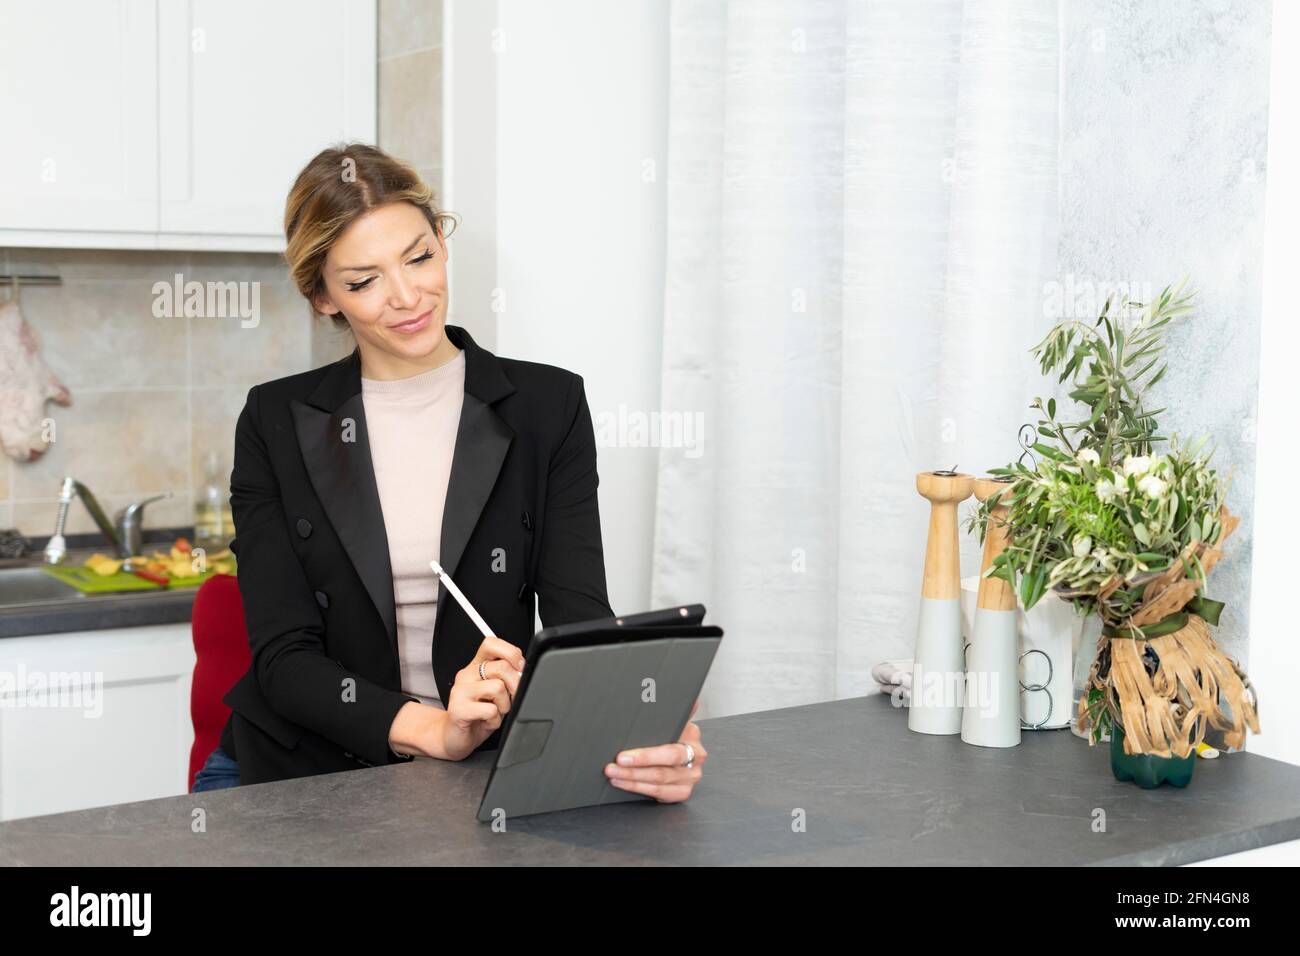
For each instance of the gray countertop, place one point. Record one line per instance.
(95, 612)
(872, 791)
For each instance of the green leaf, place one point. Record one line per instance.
(1040, 584)
(1048, 452)
(1145, 368)
(1032, 586)
(1103, 351)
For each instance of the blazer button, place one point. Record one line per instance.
(322, 599)
(528, 521)
(304, 527)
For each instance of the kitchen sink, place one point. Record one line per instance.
(20, 587)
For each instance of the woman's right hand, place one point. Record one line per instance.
(477, 706)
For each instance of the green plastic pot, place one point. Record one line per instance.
(1148, 771)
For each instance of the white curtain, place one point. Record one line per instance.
(862, 221)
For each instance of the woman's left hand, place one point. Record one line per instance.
(659, 772)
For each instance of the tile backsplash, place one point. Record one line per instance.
(151, 397)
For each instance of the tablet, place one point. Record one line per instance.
(590, 690)
(666, 617)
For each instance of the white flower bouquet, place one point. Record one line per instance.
(1129, 535)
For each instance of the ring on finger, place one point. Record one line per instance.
(482, 670)
(689, 763)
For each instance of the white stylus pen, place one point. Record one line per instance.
(463, 601)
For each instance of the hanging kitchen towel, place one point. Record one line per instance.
(26, 384)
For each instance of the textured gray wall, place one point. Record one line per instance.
(1164, 132)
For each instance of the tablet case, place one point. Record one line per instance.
(585, 696)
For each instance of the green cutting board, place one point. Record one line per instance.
(87, 581)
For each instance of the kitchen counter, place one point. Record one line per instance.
(93, 612)
(872, 792)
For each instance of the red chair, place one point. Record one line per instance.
(221, 658)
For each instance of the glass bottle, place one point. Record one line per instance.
(214, 527)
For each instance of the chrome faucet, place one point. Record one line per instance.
(125, 536)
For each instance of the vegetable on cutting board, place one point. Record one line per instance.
(180, 562)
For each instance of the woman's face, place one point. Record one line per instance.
(387, 275)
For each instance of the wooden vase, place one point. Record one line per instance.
(991, 711)
(938, 669)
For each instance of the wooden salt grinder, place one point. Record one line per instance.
(991, 712)
(938, 667)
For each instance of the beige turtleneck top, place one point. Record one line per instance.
(412, 424)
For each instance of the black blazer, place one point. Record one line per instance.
(520, 519)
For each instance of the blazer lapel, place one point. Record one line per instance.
(482, 441)
(331, 431)
(481, 445)
(331, 427)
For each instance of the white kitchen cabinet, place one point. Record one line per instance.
(118, 729)
(174, 124)
(78, 103)
(248, 92)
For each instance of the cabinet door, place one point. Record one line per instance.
(93, 718)
(78, 101)
(249, 92)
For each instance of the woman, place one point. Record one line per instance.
(349, 478)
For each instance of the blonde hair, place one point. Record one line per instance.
(340, 185)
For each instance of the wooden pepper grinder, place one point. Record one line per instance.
(991, 712)
(938, 668)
